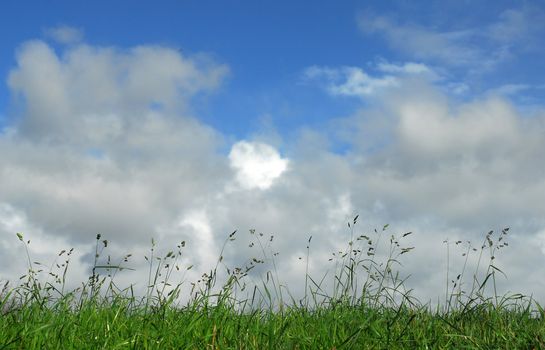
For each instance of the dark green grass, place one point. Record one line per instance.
(366, 306)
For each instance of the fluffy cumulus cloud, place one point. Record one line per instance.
(105, 143)
(257, 165)
(56, 90)
(455, 171)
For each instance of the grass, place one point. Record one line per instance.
(363, 305)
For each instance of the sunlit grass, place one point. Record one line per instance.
(362, 304)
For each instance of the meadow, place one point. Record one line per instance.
(363, 304)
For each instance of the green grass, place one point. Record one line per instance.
(362, 305)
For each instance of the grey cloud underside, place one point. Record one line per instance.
(90, 155)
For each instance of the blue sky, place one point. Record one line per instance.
(189, 119)
(268, 44)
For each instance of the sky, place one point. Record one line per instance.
(187, 120)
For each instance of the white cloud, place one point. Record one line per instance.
(203, 240)
(314, 72)
(509, 89)
(480, 47)
(457, 88)
(460, 161)
(388, 76)
(405, 68)
(423, 43)
(56, 89)
(65, 34)
(417, 161)
(41, 247)
(350, 81)
(257, 165)
(358, 83)
(97, 99)
(429, 128)
(517, 25)
(473, 167)
(539, 240)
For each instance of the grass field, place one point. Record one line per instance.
(365, 306)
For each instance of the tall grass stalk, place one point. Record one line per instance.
(363, 305)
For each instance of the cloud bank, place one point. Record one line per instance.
(106, 143)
